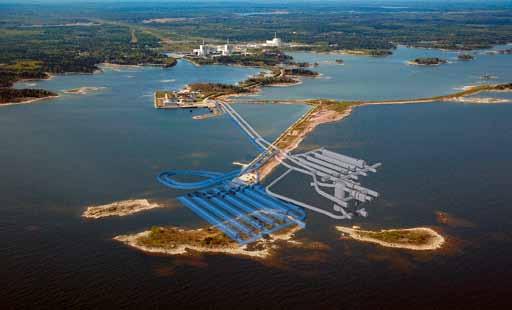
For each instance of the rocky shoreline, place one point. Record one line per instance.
(178, 241)
(28, 100)
(418, 239)
(120, 208)
(427, 61)
(84, 90)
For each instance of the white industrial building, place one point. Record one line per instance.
(226, 49)
(275, 42)
(205, 50)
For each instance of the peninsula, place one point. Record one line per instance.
(9, 96)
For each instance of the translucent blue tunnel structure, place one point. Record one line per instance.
(247, 213)
(211, 178)
(243, 213)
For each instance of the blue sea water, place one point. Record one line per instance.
(62, 155)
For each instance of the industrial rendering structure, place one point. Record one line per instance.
(275, 42)
(206, 50)
(227, 49)
(246, 210)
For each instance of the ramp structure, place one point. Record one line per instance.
(246, 213)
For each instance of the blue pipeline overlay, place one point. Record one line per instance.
(212, 178)
(243, 213)
(247, 212)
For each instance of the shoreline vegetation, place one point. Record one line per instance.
(84, 90)
(417, 239)
(260, 59)
(120, 208)
(366, 52)
(427, 61)
(24, 71)
(13, 96)
(177, 241)
(465, 57)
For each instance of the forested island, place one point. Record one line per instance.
(419, 239)
(428, 61)
(300, 72)
(465, 57)
(368, 52)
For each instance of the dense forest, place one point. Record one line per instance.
(429, 61)
(300, 72)
(10, 95)
(328, 25)
(208, 89)
(33, 52)
(267, 80)
(76, 37)
(79, 48)
(257, 59)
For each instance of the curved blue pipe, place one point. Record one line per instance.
(212, 178)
